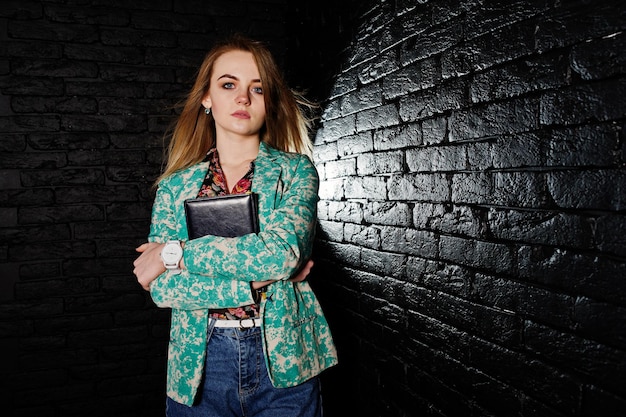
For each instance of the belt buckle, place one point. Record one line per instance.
(242, 327)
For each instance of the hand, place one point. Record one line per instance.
(148, 266)
(302, 274)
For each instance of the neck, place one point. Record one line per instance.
(233, 152)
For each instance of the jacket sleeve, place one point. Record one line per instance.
(276, 252)
(186, 290)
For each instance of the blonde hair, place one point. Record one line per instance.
(287, 120)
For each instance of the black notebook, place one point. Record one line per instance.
(228, 216)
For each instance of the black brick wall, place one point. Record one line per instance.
(87, 92)
(471, 257)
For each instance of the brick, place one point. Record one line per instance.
(405, 80)
(99, 88)
(153, 142)
(436, 159)
(13, 143)
(327, 151)
(42, 289)
(99, 123)
(60, 214)
(22, 10)
(180, 58)
(332, 189)
(383, 116)
(104, 53)
(535, 303)
(446, 219)
(557, 229)
(418, 187)
(332, 231)
(37, 178)
(567, 270)
(595, 189)
(605, 238)
(109, 230)
(567, 27)
(600, 58)
(54, 105)
(518, 116)
(427, 103)
(159, 20)
(94, 15)
(431, 41)
(388, 213)
(600, 321)
(83, 194)
(29, 49)
(363, 236)
(365, 187)
(545, 382)
(340, 168)
(380, 163)
(435, 130)
(476, 254)
(591, 145)
(603, 101)
(55, 68)
(129, 73)
(60, 250)
(345, 211)
(44, 30)
(516, 151)
(368, 97)
(40, 270)
(22, 124)
(336, 128)
(501, 14)
(26, 85)
(397, 137)
(378, 67)
(346, 82)
(518, 78)
(602, 365)
(26, 310)
(68, 141)
(33, 160)
(409, 241)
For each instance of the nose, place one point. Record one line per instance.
(243, 98)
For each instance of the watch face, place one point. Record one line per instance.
(171, 253)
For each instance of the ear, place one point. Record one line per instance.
(206, 102)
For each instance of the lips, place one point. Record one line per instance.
(241, 114)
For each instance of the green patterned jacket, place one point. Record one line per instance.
(297, 340)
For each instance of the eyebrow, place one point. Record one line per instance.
(258, 80)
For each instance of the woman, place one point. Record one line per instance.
(248, 337)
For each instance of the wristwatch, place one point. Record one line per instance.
(171, 254)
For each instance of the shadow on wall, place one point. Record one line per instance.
(321, 36)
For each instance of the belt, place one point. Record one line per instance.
(241, 323)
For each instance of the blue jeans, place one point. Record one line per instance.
(236, 383)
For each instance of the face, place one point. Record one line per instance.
(236, 96)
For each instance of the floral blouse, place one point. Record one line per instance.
(214, 185)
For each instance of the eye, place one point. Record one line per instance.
(257, 90)
(228, 86)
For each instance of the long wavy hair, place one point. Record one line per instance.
(287, 120)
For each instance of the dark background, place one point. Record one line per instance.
(471, 256)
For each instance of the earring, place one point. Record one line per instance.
(207, 110)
